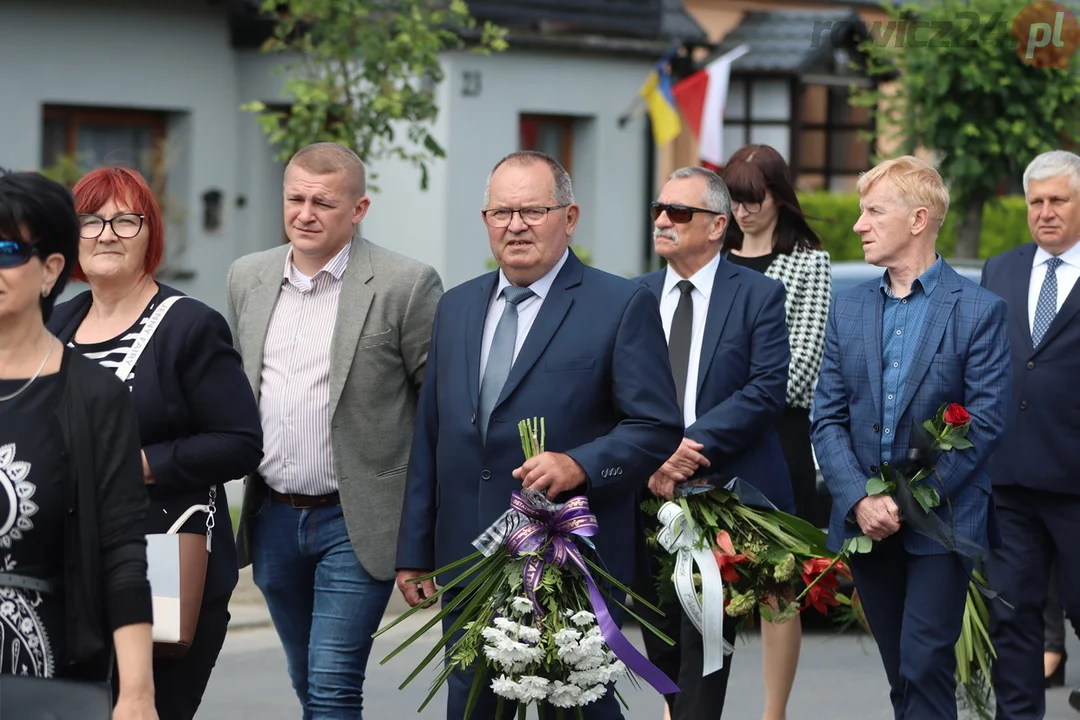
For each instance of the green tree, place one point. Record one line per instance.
(366, 73)
(66, 170)
(969, 88)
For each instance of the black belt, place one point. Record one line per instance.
(304, 502)
(25, 582)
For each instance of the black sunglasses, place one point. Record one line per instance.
(14, 253)
(677, 213)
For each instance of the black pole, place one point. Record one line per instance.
(650, 191)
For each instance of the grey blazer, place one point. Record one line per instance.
(380, 347)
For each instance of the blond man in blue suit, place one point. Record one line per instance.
(896, 349)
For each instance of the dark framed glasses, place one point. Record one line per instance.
(501, 217)
(14, 253)
(677, 213)
(124, 225)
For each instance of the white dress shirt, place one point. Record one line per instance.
(528, 309)
(669, 300)
(1067, 274)
(294, 390)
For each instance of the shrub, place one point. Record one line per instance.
(834, 214)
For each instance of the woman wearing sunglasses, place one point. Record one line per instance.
(770, 234)
(198, 422)
(73, 575)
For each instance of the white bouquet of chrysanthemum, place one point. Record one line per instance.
(535, 626)
(566, 668)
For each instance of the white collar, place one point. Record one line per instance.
(702, 279)
(1069, 257)
(336, 266)
(542, 286)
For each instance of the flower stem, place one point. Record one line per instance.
(818, 578)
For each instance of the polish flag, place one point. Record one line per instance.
(701, 99)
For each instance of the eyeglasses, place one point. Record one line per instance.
(501, 217)
(124, 225)
(678, 214)
(14, 253)
(751, 208)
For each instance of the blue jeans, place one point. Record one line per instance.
(323, 603)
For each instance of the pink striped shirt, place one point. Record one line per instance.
(294, 393)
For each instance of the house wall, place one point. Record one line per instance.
(176, 57)
(170, 56)
(443, 225)
(718, 19)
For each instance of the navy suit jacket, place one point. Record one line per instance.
(594, 365)
(962, 357)
(742, 379)
(1043, 420)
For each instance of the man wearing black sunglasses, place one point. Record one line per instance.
(728, 345)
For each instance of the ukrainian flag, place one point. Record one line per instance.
(666, 124)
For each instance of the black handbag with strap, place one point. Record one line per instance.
(35, 698)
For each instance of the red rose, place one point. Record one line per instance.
(956, 416)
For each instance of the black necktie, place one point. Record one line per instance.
(682, 323)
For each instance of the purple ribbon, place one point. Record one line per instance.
(549, 534)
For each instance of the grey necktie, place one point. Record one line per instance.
(1046, 309)
(500, 355)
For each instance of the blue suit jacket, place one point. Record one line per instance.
(962, 357)
(594, 365)
(742, 379)
(1038, 450)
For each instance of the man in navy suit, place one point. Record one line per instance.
(896, 350)
(544, 336)
(728, 346)
(1036, 471)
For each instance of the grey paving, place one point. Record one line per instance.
(840, 678)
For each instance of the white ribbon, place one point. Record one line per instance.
(707, 614)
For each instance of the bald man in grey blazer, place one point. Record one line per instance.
(334, 332)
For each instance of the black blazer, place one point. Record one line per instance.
(198, 421)
(1038, 449)
(105, 585)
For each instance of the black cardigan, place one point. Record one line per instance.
(198, 421)
(105, 585)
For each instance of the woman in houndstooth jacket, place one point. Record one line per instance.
(770, 234)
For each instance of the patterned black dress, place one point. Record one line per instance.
(33, 465)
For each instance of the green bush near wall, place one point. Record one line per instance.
(834, 214)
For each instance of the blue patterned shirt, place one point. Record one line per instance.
(901, 328)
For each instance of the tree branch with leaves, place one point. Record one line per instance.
(967, 89)
(366, 73)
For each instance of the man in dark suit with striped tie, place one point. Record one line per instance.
(728, 346)
(1036, 471)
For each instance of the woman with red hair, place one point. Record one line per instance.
(198, 421)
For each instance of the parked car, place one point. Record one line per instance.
(849, 273)
(846, 275)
